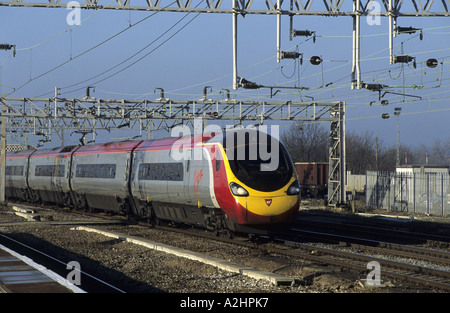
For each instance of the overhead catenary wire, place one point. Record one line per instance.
(141, 58)
(316, 91)
(364, 59)
(324, 36)
(130, 57)
(367, 58)
(84, 52)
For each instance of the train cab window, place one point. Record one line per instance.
(251, 169)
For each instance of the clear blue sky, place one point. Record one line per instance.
(201, 54)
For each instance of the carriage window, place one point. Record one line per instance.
(49, 170)
(96, 170)
(161, 171)
(14, 170)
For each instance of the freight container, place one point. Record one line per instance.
(313, 178)
(312, 173)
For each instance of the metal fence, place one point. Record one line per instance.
(427, 193)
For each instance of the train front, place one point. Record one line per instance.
(264, 194)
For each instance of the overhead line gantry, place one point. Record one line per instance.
(392, 9)
(115, 114)
(46, 116)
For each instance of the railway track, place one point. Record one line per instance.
(381, 247)
(293, 245)
(358, 244)
(356, 261)
(403, 231)
(347, 252)
(91, 283)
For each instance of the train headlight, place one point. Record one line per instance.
(238, 190)
(294, 189)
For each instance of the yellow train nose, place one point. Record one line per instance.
(268, 206)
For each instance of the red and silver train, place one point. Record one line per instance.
(202, 180)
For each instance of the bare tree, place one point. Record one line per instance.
(388, 157)
(364, 151)
(307, 142)
(441, 152)
(437, 154)
(361, 153)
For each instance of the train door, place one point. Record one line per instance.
(137, 187)
(189, 176)
(218, 170)
(187, 183)
(57, 177)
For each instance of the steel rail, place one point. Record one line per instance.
(394, 268)
(353, 261)
(54, 263)
(377, 231)
(431, 255)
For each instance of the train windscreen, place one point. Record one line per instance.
(258, 160)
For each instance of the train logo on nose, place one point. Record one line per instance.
(268, 202)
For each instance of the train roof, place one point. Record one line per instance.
(168, 143)
(19, 154)
(109, 147)
(115, 147)
(53, 152)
